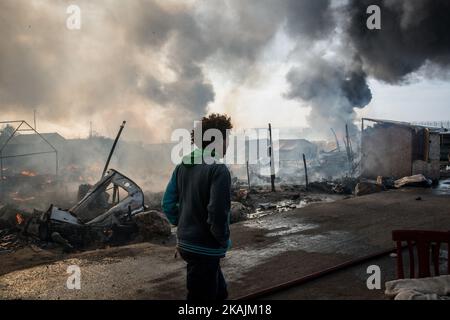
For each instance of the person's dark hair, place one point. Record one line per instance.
(217, 121)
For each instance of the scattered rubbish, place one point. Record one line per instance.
(285, 205)
(111, 212)
(340, 186)
(386, 182)
(418, 180)
(430, 288)
(267, 206)
(238, 212)
(57, 238)
(8, 241)
(152, 224)
(241, 194)
(365, 188)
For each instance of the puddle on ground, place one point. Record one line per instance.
(280, 227)
(291, 238)
(269, 208)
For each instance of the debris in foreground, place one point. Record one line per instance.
(418, 180)
(367, 187)
(111, 212)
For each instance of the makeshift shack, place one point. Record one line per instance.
(399, 149)
(445, 147)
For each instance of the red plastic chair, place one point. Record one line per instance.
(426, 242)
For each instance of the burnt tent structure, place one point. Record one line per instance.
(399, 149)
(28, 159)
(21, 144)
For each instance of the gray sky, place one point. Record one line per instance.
(160, 65)
(425, 100)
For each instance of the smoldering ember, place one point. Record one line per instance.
(336, 179)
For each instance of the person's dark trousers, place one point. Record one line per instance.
(205, 280)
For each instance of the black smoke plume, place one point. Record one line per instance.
(414, 36)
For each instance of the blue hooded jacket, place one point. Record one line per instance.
(197, 200)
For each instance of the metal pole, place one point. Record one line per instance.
(272, 165)
(1, 177)
(348, 145)
(306, 171)
(112, 149)
(56, 164)
(1, 168)
(248, 177)
(361, 146)
(337, 141)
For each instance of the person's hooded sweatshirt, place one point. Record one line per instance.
(197, 200)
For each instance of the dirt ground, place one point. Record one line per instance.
(265, 252)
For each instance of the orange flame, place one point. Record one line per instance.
(19, 219)
(27, 173)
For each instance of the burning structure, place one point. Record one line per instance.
(21, 143)
(22, 150)
(110, 211)
(399, 149)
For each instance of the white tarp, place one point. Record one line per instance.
(434, 288)
(417, 179)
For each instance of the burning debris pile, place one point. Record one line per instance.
(300, 160)
(111, 212)
(9, 241)
(386, 183)
(260, 201)
(12, 219)
(23, 187)
(343, 186)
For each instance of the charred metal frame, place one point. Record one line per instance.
(87, 222)
(22, 127)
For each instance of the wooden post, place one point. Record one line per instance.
(1, 172)
(349, 141)
(272, 165)
(306, 171)
(337, 141)
(248, 178)
(361, 146)
(1, 167)
(348, 146)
